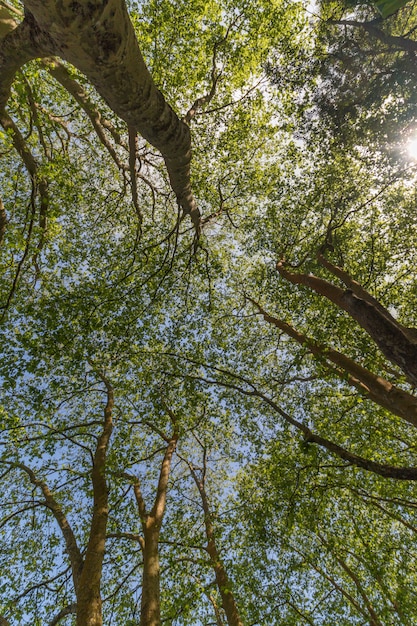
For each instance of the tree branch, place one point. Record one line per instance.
(22, 44)
(387, 471)
(379, 390)
(73, 550)
(31, 165)
(68, 610)
(3, 221)
(402, 43)
(99, 39)
(396, 342)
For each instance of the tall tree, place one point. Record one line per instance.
(257, 462)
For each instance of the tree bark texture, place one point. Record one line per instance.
(150, 612)
(99, 40)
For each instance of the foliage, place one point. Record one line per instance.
(299, 124)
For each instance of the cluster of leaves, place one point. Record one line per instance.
(298, 124)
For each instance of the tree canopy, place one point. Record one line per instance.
(208, 291)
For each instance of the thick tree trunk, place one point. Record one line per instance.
(98, 38)
(150, 611)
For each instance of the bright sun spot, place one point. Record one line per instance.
(412, 148)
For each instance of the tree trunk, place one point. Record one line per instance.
(397, 342)
(150, 612)
(88, 589)
(224, 587)
(379, 390)
(222, 580)
(98, 39)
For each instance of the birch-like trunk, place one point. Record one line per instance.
(98, 39)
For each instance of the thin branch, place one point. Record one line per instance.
(379, 390)
(73, 550)
(68, 610)
(3, 221)
(387, 471)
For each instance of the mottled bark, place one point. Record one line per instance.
(222, 580)
(98, 38)
(376, 388)
(17, 47)
(397, 342)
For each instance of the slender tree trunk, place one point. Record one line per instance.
(150, 613)
(224, 587)
(222, 580)
(89, 611)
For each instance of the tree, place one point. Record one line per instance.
(100, 41)
(207, 422)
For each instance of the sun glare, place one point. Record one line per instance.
(412, 148)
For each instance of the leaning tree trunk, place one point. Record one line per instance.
(98, 39)
(222, 579)
(397, 342)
